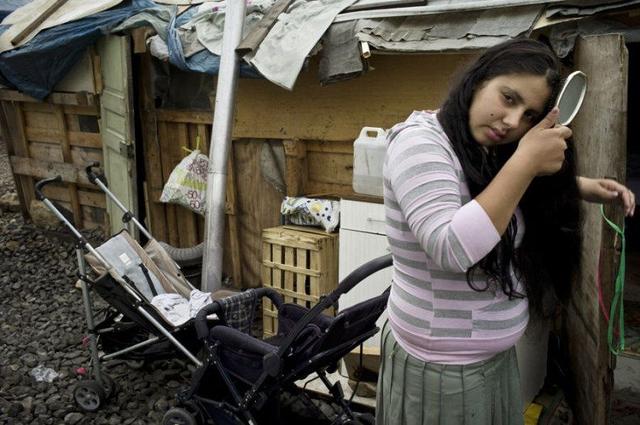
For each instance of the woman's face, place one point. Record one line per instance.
(504, 108)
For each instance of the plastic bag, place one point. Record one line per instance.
(314, 212)
(44, 374)
(187, 184)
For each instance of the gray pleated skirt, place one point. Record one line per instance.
(413, 392)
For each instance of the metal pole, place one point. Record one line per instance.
(219, 146)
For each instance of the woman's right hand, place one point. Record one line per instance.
(542, 147)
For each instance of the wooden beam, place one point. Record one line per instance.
(262, 28)
(191, 117)
(70, 173)
(18, 145)
(37, 20)
(600, 135)
(75, 99)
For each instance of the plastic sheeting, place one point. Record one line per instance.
(38, 66)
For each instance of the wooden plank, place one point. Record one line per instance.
(289, 263)
(90, 110)
(267, 306)
(605, 60)
(85, 140)
(74, 138)
(314, 281)
(66, 154)
(50, 7)
(258, 207)
(338, 112)
(296, 170)
(166, 140)
(20, 144)
(185, 217)
(330, 168)
(85, 156)
(232, 220)
(89, 198)
(302, 261)
(276, 266)
(40, 119)
(78, 99)
(157, 220)
(42, 169)
(177, 116)
(8, 134)
(262, 28)
(49, 152)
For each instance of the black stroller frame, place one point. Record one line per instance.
(310, 342)
(90, 394)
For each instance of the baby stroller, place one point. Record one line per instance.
(135, 327)
(256, 372)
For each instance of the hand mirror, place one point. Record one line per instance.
(571, 97)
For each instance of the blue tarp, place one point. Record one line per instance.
(39, 65)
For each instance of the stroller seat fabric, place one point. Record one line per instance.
(153, 275)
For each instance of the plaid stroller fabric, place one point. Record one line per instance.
(239, 311)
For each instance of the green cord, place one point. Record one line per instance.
(618, 293)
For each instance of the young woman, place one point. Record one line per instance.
(483, 221)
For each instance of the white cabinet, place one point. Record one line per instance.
(362, 238)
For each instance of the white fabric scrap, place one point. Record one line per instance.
(281, 54)
(177, 310)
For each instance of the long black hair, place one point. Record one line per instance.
(550, 251)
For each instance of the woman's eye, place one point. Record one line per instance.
(508, 98)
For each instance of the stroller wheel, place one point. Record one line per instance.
(89, 395)
(178, 416)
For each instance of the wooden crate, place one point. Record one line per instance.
(301, 263)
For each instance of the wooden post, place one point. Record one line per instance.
(600, 134)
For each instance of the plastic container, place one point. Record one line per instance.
(368, 158)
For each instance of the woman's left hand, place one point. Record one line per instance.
(607, 191)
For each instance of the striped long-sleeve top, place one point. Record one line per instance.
(436, 233)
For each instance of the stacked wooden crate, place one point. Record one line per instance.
(300, 263)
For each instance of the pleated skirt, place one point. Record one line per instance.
(413, 392)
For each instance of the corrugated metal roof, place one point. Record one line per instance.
(442, 6)
(448, 31)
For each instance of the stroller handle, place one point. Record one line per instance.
(42, 183)
(93, 176)
(345, 286)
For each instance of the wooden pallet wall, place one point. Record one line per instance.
(57, 137)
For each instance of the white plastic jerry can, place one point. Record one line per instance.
(368, 158)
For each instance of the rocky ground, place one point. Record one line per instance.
(42, 325)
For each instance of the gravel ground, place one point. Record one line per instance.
(42, 323)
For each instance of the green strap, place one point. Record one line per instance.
(617, 304)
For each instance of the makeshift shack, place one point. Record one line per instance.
(300, 141)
